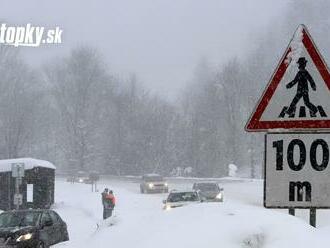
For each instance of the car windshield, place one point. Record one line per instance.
(14, 219)
(183, 196)
(153, 179)
(207, 187)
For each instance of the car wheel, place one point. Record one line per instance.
(141, 190)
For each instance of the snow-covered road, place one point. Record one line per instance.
(241, 221)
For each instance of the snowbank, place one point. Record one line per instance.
(29, 163)
(239, 222)
(213, 225)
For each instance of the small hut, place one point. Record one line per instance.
(37, 187)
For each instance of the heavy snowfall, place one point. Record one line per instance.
(154, 88)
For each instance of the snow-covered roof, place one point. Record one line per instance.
(29, 163)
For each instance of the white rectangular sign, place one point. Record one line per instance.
(29, 192)
(18, 199)
(297, 170)
(17, 170)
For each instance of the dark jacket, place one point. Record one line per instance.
(104, 195)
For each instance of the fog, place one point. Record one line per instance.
(159, 40)
(146, 86)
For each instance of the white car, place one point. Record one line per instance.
(181, 198)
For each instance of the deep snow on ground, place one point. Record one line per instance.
(241, 221)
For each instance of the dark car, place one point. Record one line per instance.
(31, 229)
(209, 191)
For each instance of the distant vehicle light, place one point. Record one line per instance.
(151, 185)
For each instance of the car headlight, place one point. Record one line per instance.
(219, 196)
(151, 185)
(165, 184)
(167, 207)
(24, 237)
(81, 180)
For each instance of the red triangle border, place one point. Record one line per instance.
(255, 125)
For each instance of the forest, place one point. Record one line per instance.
(76, 112)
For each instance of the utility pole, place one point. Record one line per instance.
(18, 171)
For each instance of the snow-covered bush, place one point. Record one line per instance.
(232, 170)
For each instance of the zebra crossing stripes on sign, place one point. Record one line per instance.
(298, 95)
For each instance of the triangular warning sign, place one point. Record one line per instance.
(298, 95)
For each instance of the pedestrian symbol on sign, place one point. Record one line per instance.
(302, 79)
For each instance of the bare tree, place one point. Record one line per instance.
(77, 85)
(17, 102)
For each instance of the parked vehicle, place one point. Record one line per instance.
(78, 177)
(181, 198)
(31, 229)
(82, 177)
(153, 183)
(209, 191)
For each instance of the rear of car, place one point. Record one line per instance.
(31, 229)
(153, 183)
(181, 198)
(209, 191)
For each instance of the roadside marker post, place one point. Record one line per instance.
(18, 172)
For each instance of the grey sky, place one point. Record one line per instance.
(160, 40)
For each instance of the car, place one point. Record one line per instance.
(153, 183)
(82, 177)
(32, 228)
(209, 191)
(181, 198)
(79, 177)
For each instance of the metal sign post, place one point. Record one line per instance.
(93, 178)
(312, 217)
(18, 172)
(292, 211)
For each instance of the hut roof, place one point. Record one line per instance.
(29, 163)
